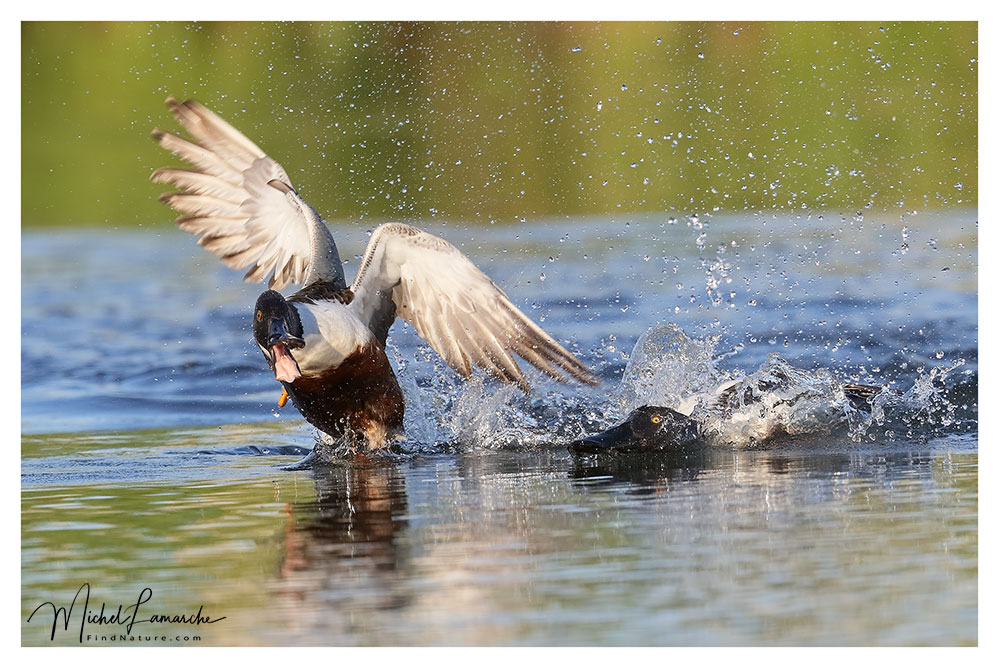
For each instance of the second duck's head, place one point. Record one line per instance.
(647, 429)
(277, 329)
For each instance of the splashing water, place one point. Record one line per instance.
(480, 413)
(445, 412)
(669, 368)
(488, 416)
(666, 367)
(923, 411)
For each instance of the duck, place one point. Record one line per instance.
(646, 429)
(326, 342)
(652, 428)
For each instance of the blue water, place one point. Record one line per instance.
(139, 329)
(152, 432)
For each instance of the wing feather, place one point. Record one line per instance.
(462, 314)
(211, 226)
(200, 157)
(215, 134)
(223, 246)
(201, 205)
(242, 205)
(198, 183)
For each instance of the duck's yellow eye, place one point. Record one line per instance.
(260, 316)
(656, 419)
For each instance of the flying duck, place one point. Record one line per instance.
(325, 343)
(658, 428)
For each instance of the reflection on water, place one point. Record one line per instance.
(346, 534)
(815, 545)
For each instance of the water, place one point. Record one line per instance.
(153, 444)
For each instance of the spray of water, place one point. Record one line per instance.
(667, 367)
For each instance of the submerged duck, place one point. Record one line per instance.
(658, 429)
(647, 429)
(325, 343)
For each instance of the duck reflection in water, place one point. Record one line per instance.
(345, 538)
(644, 472)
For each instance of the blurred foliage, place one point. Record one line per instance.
(503, 121)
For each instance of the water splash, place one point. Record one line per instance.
(666, 366)
(922, 411)
(445, 412)
(775, 400)
(486, 415)
(669, 368)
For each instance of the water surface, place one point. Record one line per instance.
(153, 444)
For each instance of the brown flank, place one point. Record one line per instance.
(360, 397)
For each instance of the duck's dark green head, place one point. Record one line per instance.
(277, 329)
(647, 429)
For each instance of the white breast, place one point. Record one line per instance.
(331, 331)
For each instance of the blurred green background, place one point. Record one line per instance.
(503, 121)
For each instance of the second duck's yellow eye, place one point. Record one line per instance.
(260, 316)
(656, 419)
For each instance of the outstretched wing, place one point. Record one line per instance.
(462, 314)
(241, 204)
